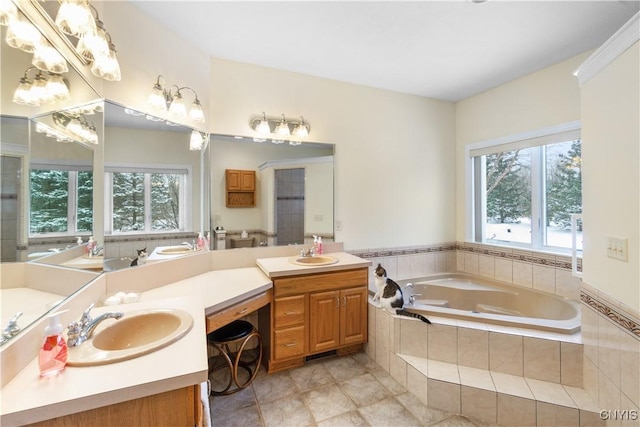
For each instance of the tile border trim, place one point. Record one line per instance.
(615, 314)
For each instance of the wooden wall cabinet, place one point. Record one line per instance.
(316, 313)
(240, 188)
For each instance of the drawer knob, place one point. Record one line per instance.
(244, 310)
(292, 344)
(289, 313)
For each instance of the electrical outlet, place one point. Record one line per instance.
(617, 248)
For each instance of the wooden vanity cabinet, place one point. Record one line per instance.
(316, 313)
(181, 407)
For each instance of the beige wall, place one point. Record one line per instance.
(611, 156)
(394, 152)
(546, 98)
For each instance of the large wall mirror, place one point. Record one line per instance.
(156, 191)
(27, 148)
(293, 199)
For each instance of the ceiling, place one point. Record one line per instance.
(448, 50)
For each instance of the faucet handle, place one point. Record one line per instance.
(86, 316)
(73, 333)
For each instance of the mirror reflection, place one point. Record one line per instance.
(291, 199)
(30, 288)
(154, 187)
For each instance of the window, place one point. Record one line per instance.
(153, 200)
(524, 192)
(61, 200)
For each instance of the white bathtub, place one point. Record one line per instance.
(478, 299)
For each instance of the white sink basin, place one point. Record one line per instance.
(315, 261)
(176, 250)
(136, 334)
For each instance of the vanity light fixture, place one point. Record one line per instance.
(23, 35)
(8, 12)
(41, 90)
(197, 140)
(171, 100)
(47, 58)
(74, 18)
(283, 129)
(78, 126)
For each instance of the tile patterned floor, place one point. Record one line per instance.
(331, 392)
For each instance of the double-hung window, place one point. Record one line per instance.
(146, 200)
(524, 191)
(61, 199)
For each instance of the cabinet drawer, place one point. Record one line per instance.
(237, 311)
(289, 311)
(289, 342)
(319, 282)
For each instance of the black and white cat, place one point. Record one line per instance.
(390, 296)
(141, 258)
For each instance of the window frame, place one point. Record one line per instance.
(73, 168)
(185, 197)
(475, 175)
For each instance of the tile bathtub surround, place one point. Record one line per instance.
(336, 391)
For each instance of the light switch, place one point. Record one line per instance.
(617, 248)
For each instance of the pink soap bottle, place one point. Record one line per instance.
(53, 353)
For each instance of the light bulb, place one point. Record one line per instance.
(301, 131)
(177, 106)
(47, 58)
(283, 127)
(22, 94)
(57, 88)
(195, 112)
(38, 90)
(263, 127)
(23, 35)
(93, 44)
(156, 98)
(8, 12)
(74, 18)
(195, 142)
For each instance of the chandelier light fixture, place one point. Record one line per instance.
(279, 129)
(171, 100)
(42, 89)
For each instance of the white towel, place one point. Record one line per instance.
(204, 396)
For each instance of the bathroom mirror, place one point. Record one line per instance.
(17, 123)
(293, 191)
(155, 187)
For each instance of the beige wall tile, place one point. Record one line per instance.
(398, 369)
(515, 411)
(443, 395)
(414, 338)
(383, 331)
(440, 263)
(590, 378)
(609, 350)
(505, 353)
(459, 261)
(473, 348)
(419, 265)
(476, 378)
(486, 266)
(523, 274)
(443, 343)
(542, 359)
(478, 403)
(549, 415)
(417, 384)
(504, 269)
(443, 371)
(566, 285)
(404, 267)
(471, 263)
(591, 419)
(370, 348)
(571, 358)
(630, 367)
(544, 391)
(544, 279)
(589, 333)
(512, 385)
(608, 393)
(633, 417)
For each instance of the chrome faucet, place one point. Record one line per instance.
(11, 329)
(189, 245)
(311, 252)
(80, 331)
(97, 251)
(412, 298)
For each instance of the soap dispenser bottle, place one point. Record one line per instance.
(53, 353)
(91, 245)
(320, 249)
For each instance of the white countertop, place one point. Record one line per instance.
(282, 266)
(85, 262)
(29, 398)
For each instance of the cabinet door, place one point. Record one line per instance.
(233, 180)
(353, 316)
(247, 180)
(324, 310)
